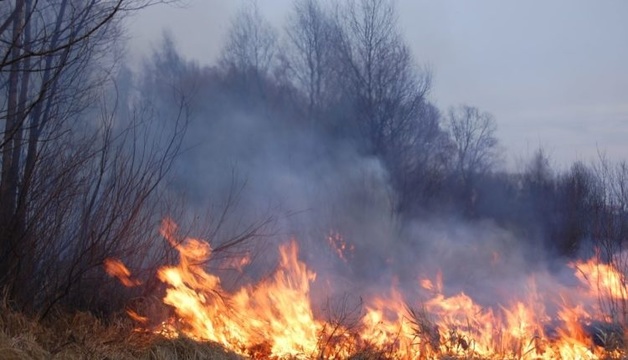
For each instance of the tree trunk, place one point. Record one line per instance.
(10, 149)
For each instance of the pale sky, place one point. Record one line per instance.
(553, 73)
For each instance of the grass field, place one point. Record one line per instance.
(83, 336)
(80, 335)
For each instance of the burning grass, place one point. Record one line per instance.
(275, 318)
(83, 336)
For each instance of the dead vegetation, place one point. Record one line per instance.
(83, 336)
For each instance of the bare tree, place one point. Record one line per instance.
(578, 199)
(475, 148)
(419, 164)
(355, 69)
(609, 218)
(473, 135)
(311, 39)
(55, 58)
(251, 43)
(539, 171)
(387, 88)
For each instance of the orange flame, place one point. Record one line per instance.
(601, 279)
(275, 317)
(341, 247)
(115, 268)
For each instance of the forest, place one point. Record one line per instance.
(323, 131)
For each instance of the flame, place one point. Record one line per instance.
(275, 318)
(272, 318)
(341, 247)
(115, 268)
(433, 286)
(427, 284)
(601, 279)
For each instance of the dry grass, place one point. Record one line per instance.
(83, 336)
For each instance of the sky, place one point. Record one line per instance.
(553, 73)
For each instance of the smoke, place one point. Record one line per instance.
(252, 155)
(319, 189)
(310, 183)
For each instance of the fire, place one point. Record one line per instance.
(433, 286)
(115, 268)
(601, 279)
(341, 247)
(276, 318)
(270, 318)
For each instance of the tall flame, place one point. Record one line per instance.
(275, 317)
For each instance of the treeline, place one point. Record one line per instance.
(88, 145)
(345, 71)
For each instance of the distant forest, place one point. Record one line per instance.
(323, 125)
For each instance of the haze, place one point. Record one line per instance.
(554, 74)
